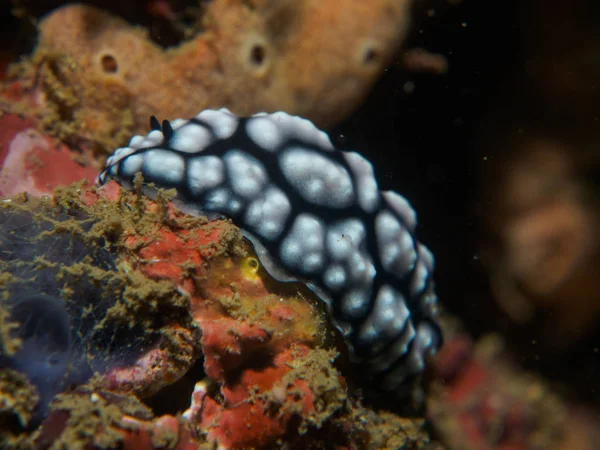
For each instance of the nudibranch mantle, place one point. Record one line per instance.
(314, 214)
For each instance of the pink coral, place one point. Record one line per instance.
(257, 409)
(33, 163)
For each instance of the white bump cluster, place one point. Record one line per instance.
(318, 179)
(164, 165)
(132, 165)
(135, 142)
(265, 133)
(222, 200)
(222, 121)
(270, 130)
(424, 344)
(422, 270)
(178, 123)
(355, 302)
(154, 138)
(395, 244)
(351, 264)
(345, 238)
(191, 138)
(303, 247)
(118, 155)
(386, 320)
(268, 213)
(368, 193)
(362, 269)
(205, 172)
(246, 174)
(401, 206)
(335, 277)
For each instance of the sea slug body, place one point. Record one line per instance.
(314, 214)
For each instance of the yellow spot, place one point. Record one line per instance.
(250, 267)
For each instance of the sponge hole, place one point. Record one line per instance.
(256, 56)
(369, 54)
(109, 63)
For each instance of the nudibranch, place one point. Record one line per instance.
(314, 214)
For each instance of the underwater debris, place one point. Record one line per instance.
(101, 78)
(313, 214)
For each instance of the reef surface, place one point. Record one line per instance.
(164, 324)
